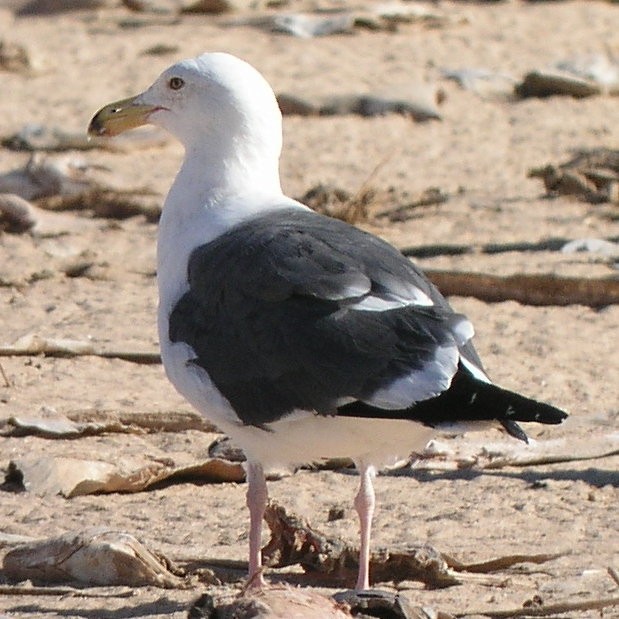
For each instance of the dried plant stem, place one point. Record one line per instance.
(72, 591)
(5, 378)
(146, 358)
(544, 611)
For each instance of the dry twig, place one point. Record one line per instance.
(149, 421)
(5, 378)
(501, 563)
(126, 592)
(544, 611)
(32, 344)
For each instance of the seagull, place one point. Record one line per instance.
(300, 336)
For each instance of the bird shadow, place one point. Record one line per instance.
(592, 476)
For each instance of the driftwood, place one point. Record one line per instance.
(71, 477)
(148, 421)
(501, 563)
(530, 289)
(93, 556)
(49, 423)
(295, 541)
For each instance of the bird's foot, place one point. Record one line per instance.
(255, 581)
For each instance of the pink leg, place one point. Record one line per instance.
(364, 504)
(257, 497)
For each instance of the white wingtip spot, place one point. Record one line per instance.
(464, 331)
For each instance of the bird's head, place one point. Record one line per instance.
(216, 100)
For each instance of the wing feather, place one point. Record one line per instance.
(284, 313)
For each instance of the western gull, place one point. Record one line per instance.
(299, 336)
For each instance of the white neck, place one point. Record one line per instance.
(212, 174)
(212, 192)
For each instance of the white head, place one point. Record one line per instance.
(221, 109)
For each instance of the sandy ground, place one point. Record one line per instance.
(479, 153)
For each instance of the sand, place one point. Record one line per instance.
(479, 154)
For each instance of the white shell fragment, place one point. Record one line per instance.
(47, 176)
(599, 68)
(37, 137)
(483, 82)
(597, 246)
(94, 556)
(51, 424)
(308, 26)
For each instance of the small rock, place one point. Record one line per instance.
(335, 513)
(164, 7)
(14, 57)
(382, 604)
(293, 105)
(47, 7)
(219, 6)
(225, 449)
(549, 83)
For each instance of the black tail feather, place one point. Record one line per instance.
(468, 399)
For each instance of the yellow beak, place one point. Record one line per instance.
(120, 116)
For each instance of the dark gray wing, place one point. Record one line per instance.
(295, 311)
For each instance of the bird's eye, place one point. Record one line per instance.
(176, 83)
